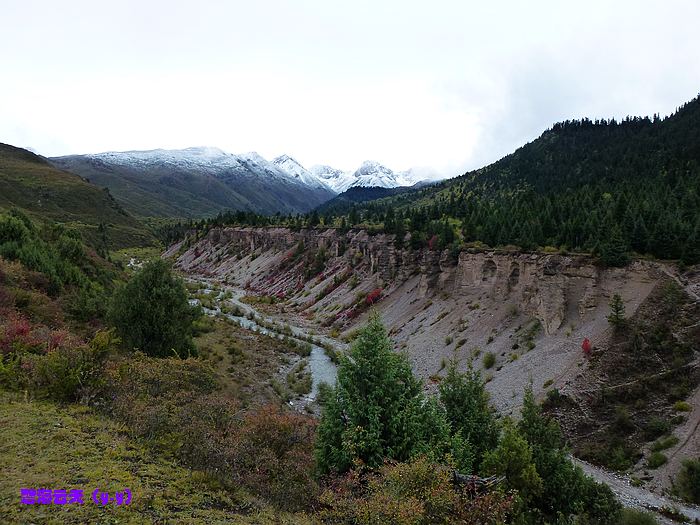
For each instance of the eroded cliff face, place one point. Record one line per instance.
(548, 287)
(530, 310)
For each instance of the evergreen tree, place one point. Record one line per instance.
(377, 410)
(151, 312)
(512, 458)
(467, 406)
(640, 236)
(617, 311)
(691, 250)
(614, 250)
(314, 219)
(566, 490)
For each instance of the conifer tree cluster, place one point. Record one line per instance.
(604, 187)
(378, 413)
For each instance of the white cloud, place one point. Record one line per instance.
(448, 85)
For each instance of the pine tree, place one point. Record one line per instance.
(614, 250)
(467, 406)
(151, 312)
(512, 458)
(691, 250)
(566, 490)
(377, 410)
(640, 236)
(314, 219)
(617, 311)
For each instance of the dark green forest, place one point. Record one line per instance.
(607, 187)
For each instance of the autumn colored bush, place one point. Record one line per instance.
(18, 336)
(373, 296)
(136, 387)
(49, 363)
(413, 493)
(176, 405)
(68, 367)
(270, 451)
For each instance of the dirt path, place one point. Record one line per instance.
(638, 497)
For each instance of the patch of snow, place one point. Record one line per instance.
(294, 169)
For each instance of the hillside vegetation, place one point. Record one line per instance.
(165, 425)
(30, 183)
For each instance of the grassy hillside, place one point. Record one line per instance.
(44, 445)
(30, 183)
(150, 195)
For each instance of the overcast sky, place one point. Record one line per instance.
(449, 85)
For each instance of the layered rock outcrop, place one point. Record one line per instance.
(546, 286)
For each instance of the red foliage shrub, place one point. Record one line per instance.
(53, 364)
(17, 335)
(433, 242)
(373, 296)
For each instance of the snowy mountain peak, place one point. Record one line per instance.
(372, 166)
(252, 156)
(294, 169)
(337, 180)
(372, 173)
(286, 160)
(204, 151)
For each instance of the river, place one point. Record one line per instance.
(320, 365)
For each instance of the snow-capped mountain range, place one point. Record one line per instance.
(203, 180)
(369, 174)
(215, 160)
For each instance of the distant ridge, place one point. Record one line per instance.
(203, 181)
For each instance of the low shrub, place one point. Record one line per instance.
(637, 517)
(656, 427)
(409, 493)
(664, 443)
(176, 406)
(270, 451)
(50, 363)
(489, 360)
(656, 459)
(682, 406)
(687, 483)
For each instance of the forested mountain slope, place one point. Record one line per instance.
(594, 186)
